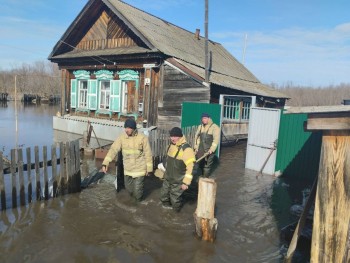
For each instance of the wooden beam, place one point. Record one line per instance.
(332, 204)
(328, 121)
(328, 124)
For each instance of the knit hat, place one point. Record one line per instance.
(130, 123)
(176, 132)
(205, 115)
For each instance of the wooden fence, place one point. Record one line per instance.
(160, 140)
(65, 174)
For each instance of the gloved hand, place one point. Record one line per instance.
(161, 167)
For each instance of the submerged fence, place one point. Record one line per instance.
(22, 182)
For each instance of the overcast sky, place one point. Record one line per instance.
(303, 42)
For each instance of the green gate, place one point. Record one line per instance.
(298, 151)
(192, 111)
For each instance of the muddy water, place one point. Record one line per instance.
(101, 225)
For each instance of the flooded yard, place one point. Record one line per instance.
(102, 225)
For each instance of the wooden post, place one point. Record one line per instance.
(13, 178)
(62, 167)
(346, 257)
(332, 205)
(21, 177)
(77, 173)
(54, 170)
(2, 184)
(206, 224)
(68, 166)
(46, 180)
(29, 171)
(332, 201)
(37, 173)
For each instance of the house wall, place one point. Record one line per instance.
(176, 88)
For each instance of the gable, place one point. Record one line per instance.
(97, 28)
(108, 31)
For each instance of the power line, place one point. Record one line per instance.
(82, 50)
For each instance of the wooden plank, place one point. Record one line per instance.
(301, 223)
(318, 109)
(2, 184)
(46, 179)
(62, 167)
(68, 166)
(37, 173)
(346, 258)
(22, 197)
(332, 205)
(29, 177)
(13, 178)
(54, 170)
(328, 123)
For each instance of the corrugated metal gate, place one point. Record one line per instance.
(262, 138)
(298, 154)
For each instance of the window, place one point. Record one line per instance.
(83, 87)
(105, 92)
(236, 107)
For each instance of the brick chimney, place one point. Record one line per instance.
(196, 35)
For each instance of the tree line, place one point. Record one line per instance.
(43, 78)
(40, 78)
(311, 96)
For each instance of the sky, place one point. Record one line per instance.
(282, 42)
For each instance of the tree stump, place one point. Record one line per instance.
(206, 224)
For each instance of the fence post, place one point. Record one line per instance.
(37, 173)
(46, 181)
(68, 166)
(13, 178)
(77, 173)
(20, 175)
(2, 184)
(62, 167)
(54, 170)
(29, 171)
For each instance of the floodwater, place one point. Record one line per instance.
(102, 225)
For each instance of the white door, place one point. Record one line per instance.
(262, 139)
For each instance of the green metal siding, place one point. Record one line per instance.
(192, 111)
(298, 152)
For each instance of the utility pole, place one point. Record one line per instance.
(244, 48)
(16, 114)
(206, 43)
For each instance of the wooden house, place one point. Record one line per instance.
(120, 61)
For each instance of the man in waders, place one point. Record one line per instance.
(206, 142)
(178, 174)
(137, 158)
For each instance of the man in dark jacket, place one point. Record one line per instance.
(207, 139)
(178, 174)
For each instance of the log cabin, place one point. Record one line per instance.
(119, 61)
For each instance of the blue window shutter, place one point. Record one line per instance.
(73, 93)
(114, 103)
(92, 94)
